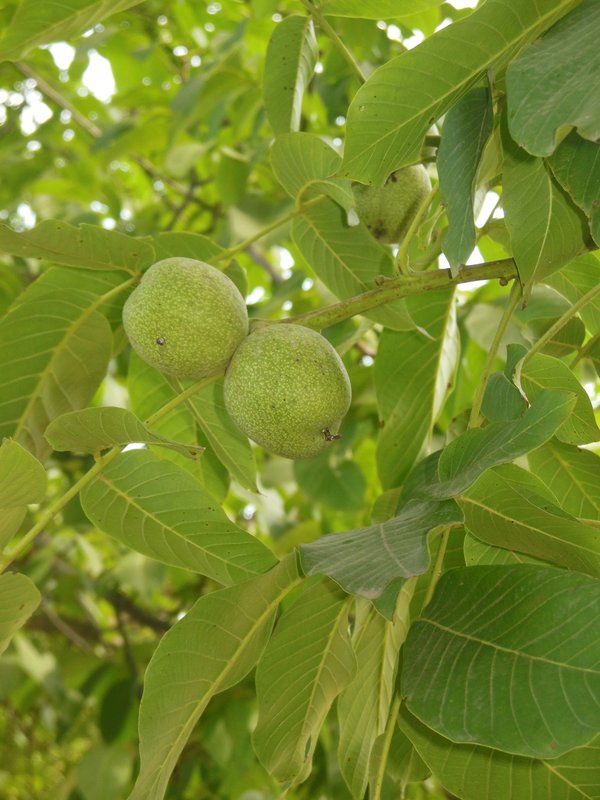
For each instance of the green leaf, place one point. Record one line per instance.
(477, 552)
(306, 664)
(574, 281)
(552, 85)
(414, 371)
(501, 509)
(37, 22)
(54, 352)
(149, 390)
(347, 259)
(160, 510)
(467, 128)
(576, 166)
(541, 373)
(393, 110)
(572, 474)
(507, 657)
(303, 164)
(11, 520)
(478, 773)
(403, 765)
(211, 649)
(478, 449)
(19, 598)
(363, 706)
(546, 229)
(289, 65)
(85, 246)
(502, 400)
(366, 560)
(229, 445)
(22, 478)
(376, 9)
(96, 429)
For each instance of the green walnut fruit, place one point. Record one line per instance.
(388, 210)
(288, 390)
(185, 318)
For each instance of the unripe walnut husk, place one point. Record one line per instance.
(186, 318)
(388, 210)
(287, 389)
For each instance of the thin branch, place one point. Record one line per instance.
(438, 566)
(127, 650)
(402, 257)
(329, 30)
(93, 130)
(24, 544)
(561, 322)
(125, 605)
(228, 254)
(389, 733)
(585, 350)
(403, 286)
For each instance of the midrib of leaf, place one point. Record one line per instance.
(575, 480)
(145, 513)
(326, 650)
(495, 512)
(503, 649)
(201, 704)
(565, 780)
(315, 230)
(526, 32)
(70, 332)
(298, 72)
(60, 253)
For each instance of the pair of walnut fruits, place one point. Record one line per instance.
(285, 386)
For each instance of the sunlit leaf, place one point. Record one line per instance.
(572, 474)
(229, 445)
(363, 706)
(501, 509)
(54, 351)
(86, 246)
(306, 664)
(22, 477)
(478, 449)
(94, 429)
(391, 113)
(291, 57)
(347, 259)
(507, 657)
(212, 648)
(159, 509)
(542, 373)
(574, 281)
